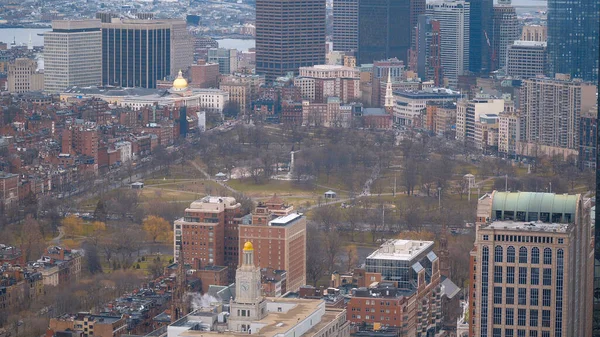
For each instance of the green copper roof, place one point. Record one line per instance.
(532, 202)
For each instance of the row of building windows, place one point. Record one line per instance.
(523, 252)
(497, 332)
(534, 275)
(534, 295)
(522, 238)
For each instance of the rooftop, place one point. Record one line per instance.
(525, 226)
(286, 220)
(522, 43)
(533, 202)
(400, 249)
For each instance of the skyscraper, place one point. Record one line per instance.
(383, 32)
(427, 49)
(505, 32)
(72, 54)
(531, 266)
(453, 17)
(345, 25)
(137, 53)
(480, 22)
(289, 34)
(573, 38)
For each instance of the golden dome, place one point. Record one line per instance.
(180, 83)
(248, 246)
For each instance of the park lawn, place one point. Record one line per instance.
(283, 188)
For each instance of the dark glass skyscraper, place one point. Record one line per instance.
(289, 34)
(480, 24)
(383, 31)
(573, 38)
(135, 54)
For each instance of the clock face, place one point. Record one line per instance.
(244, 286)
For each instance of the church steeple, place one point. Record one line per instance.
(389, 94)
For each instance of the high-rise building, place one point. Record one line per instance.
(588, 129)
(573, 38)
(469, 112)
(551, 109)
(383, 32)
(428, 49)
(208, 233)
(526, 59)
(279, 243)
(289, 34)
(322, 81)
(226, 58)
(505, 32)
(72, 55)
(345, 25)
(536, 33)
(480, 34)
(531, 266)
(137, 53)
(453, 17)
(23, 76)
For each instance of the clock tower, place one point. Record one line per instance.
(249, 304)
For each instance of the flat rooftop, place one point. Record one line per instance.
(286, 220)
(277, 323)
(400, 249)
(527, 226)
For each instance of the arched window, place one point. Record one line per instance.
(547, 256)
(535, 255)
(522, 255)
(498, 254)
(510, 254)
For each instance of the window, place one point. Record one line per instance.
(533, 317)
(521, 333)
(497, 315)
(535, 255)
(510, 254)
(546, 297)
(545, 333)
(497, 295)
(522, 275)
(498, 274)
(522, 296)
(498, 254)
(509, 333)
(522, 317)
(548, 255)
(510, 275)
(510, 295)
(522, 255)
(534, 296)
(509, 316)
(547, 276)
(497, 332)
(533, 333)
(545, 318)
(535, 276)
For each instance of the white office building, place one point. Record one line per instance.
(72, 55)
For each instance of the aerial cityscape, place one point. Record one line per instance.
(299, 168)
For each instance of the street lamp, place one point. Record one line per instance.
(439, 197)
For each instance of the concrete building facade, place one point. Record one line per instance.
(72, 55)
(23, 76)
(526, 59)
(532, 266)
(454, 26)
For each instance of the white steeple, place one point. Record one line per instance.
(389, 95)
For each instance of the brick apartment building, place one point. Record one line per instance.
(89, 324)
(9, 190)
(279, 243)
(208, 233)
